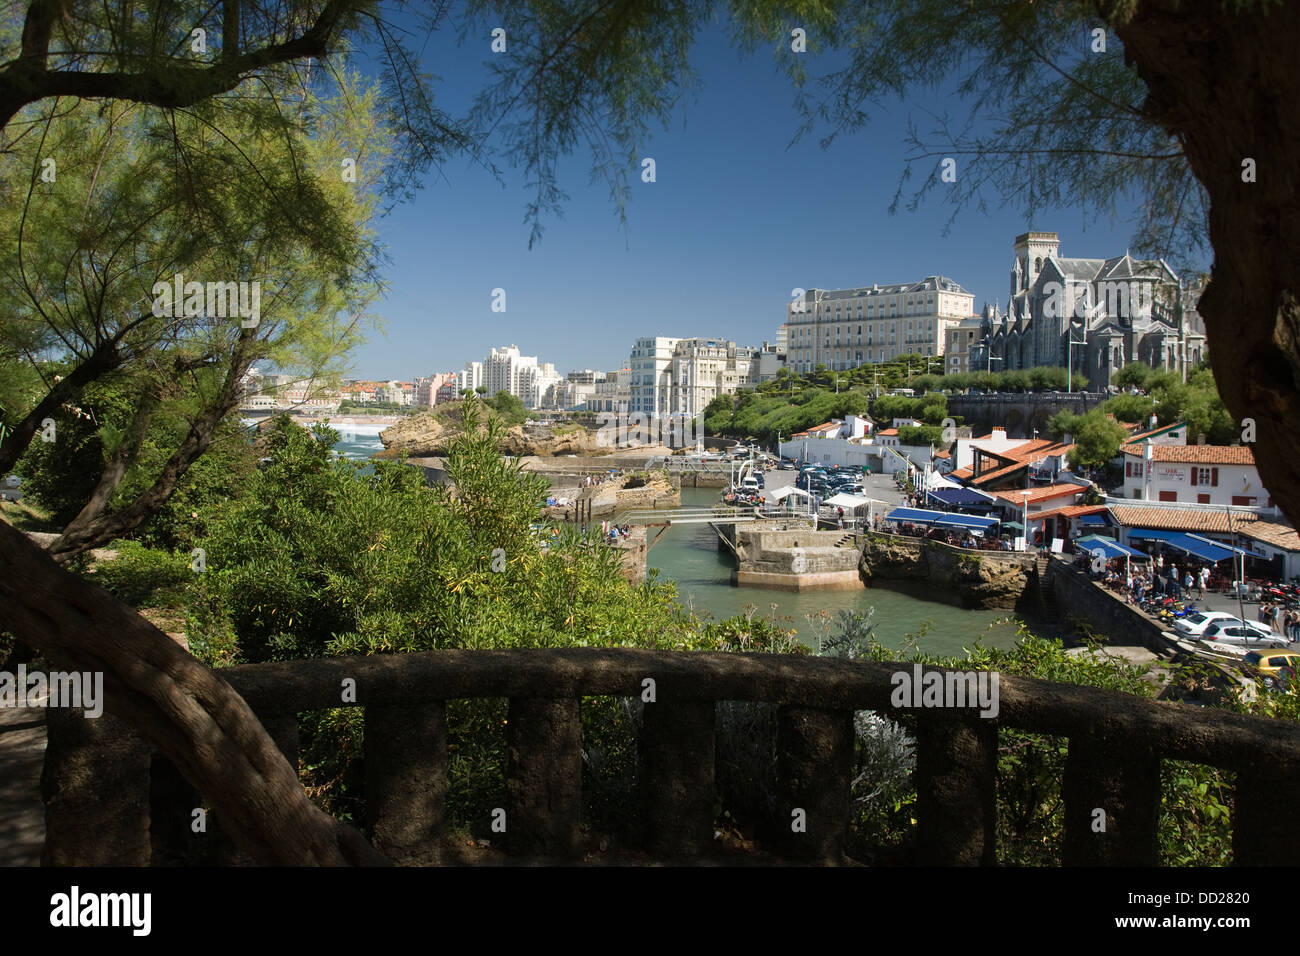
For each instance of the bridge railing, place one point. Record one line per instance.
(108, 778)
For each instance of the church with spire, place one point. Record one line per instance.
(1093, 315)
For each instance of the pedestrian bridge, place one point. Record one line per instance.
(708, 515)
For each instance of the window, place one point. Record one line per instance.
(1168, 496)
(1202, 499)
(1243, 500)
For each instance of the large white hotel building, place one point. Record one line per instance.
(844, 328)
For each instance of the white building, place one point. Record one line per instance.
(962, 453)
(504, 370)
(649, 378)
(612, 394)
(675, 378)
(471, 376)
(1194, 474)
(537, 385)
(844, 328)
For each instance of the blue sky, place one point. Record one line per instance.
(735, 221)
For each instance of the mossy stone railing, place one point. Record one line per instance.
(110, 800)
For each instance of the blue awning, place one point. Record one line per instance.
(914, 515)
(1095, 543)
(1232, 550)
(965, 521)
(1092, 519)
(1194, 545)
(961, 496)
(1150, 534)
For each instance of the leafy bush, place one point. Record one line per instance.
(145, 577)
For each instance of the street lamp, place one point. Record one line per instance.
(1025, 515)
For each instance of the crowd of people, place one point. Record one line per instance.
(1284, 620)
(958, 539)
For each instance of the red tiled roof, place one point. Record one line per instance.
(1070, 511)
(1272, 532)
(888, 431)
(1197, 454)
(963, 472)
(1040, 494)
(818, 428)
(943, 454)
(1179, 519)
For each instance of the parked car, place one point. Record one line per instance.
(1271, 668)
(1194, 625)
(1242, 633)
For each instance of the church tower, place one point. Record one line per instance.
(1032, 249)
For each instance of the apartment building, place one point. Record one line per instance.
(844, 328)
(677, 378)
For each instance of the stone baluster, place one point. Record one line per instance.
(1112, 803)
(814, 769)
(406, 780)
(677, 776)
(543, 777)
(956, 791)
(1265, 821)
(95, 784)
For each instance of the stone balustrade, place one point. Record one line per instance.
(111, 800)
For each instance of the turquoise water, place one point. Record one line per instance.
(688, 555)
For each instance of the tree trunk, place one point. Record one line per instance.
(186, 710)
(93, 527)
(102, 361)
(1225, 84)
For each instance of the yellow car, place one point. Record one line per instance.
(1272, 667)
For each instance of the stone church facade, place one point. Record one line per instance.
(1096, 314)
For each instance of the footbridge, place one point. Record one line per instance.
(707, 515)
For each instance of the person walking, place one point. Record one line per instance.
(1188, 582)
(1203, 581)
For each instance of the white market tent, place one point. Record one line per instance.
(846, 501)
(780, 494)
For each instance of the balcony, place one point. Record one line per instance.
(110, 797)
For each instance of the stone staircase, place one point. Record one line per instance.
(845, 542)
(1046, 594)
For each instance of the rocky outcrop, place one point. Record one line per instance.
(430, 435)
(623, 493)
(940, 572)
